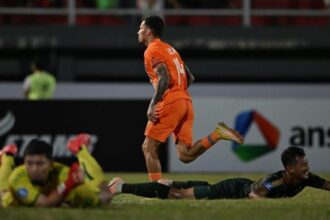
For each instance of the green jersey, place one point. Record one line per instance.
(40, 85)
(241, 187)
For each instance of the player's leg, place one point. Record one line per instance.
(156, 190)
(161, 189)
(183, 184)
(150, 149)
(220, 190)
(150, 190)
(94, 191)
(7, 165)
(79, 147)
(183, 189)
(227, 189)
(183, 135)
(188, 153)
(157, 133)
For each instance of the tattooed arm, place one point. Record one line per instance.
(190, 76)
(162, 86)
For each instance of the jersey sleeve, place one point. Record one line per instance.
(22, 189)
(266, 183)
(154, 58)
(315, 181)
(271, 181)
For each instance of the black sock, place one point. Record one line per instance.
(188, 184)
(150, 190)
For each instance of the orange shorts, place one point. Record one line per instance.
(177, 118)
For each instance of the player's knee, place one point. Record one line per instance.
(185, 159)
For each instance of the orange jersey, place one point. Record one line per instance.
(161, 52)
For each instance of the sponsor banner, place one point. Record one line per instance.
(116, 127)
(268, 126)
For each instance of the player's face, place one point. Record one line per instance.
(301, 168)
(37, 167)
(143, 33)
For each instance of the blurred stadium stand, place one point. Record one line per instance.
(222, 41)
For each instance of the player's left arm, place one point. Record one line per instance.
(190, 76)
(162, 85)
(318, 182)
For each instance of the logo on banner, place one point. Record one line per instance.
(7, 123)
(58, 141)
(249, 151)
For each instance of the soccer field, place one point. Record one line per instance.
(310, 204)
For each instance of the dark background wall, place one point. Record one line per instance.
(215, 54)
(117, 137)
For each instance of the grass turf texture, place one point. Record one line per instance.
(310, 204)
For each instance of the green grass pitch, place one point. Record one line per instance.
(310, 204)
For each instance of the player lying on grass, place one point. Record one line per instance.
(285, 183)
(42, 182)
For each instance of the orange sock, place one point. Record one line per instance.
(153, 177)
(210, 140)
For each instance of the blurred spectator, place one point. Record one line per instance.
(197, 4)
(147, 8)
(154, 5)
(39, 85)
(102, 4)
(326, 3)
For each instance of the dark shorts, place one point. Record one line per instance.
(235, 188)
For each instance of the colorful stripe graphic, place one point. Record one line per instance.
(248, 152)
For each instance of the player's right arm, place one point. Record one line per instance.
(26, 87)
(162, 85)
(27, 194)
(318, 182)
(51, 200)
(75, 178)
(261, 188)
(190, 76)
(258, 193)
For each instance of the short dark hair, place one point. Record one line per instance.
(289, 155)
(156, 24)
(39, 63)
(39, 147)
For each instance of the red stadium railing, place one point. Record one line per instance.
(176, 12)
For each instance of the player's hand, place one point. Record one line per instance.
(78, 176)
(152, 114)
(75, 177)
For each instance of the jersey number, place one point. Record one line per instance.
(179, 68)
